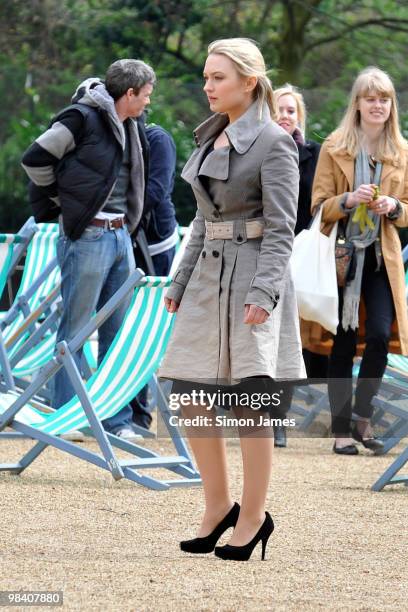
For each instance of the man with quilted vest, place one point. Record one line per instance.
(89, 170)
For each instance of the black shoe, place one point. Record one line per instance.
(372, 443)
(279, 434)
(350, 449)
(207, 544)
(243, 553)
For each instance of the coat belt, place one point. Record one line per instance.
(240, 229)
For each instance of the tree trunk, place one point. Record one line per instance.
(295, 18)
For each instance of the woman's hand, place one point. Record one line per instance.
(171, 305)
(254, 315)
(382, 205)
(363, 194)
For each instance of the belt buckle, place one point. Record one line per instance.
(110, 226)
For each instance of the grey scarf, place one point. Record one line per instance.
(352, 291)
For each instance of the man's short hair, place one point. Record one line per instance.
(128, 73)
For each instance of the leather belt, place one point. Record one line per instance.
(224, 230)
(109, 224)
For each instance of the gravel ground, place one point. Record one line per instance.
(66, 525)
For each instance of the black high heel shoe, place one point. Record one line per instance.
(207, 544)
(371, 443)
(243, 553)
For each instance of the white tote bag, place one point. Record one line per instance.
(314, 274)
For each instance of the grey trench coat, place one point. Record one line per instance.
(256, 176)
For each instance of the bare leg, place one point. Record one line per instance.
(210, 456)
(256, 449)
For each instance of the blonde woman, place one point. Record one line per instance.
(291, 116)
(366, 151)
(237, 313)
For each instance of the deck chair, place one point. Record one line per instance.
(8, 243)
(18, 244)
(390, 477)
(393, 400)
(130, 362)
(397, 404)
(316, 396)
(11, 251)
(7, 246)
(27, 331)
(25, 234)
(165, 386)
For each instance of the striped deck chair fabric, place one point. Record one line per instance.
(130, 362)
(40, 253)
(7, 242)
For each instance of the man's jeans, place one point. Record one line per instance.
(93, 268)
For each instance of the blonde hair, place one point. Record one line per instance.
(291, 90)
(249, 62)
(348, 136)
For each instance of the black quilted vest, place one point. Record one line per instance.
(86, 175)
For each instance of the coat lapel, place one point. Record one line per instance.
(191, 170)
(346, 165)
(241, 134)
(387, 169)
(216, 164)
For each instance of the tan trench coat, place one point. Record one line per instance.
(256, 176)
(334, 177)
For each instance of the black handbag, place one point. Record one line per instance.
(344, 257)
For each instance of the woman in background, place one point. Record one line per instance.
(367, 150)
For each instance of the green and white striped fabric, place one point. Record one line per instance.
(398, 363)
(132, 359)
(7, 242)
(41, 251)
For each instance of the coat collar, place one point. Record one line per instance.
(242, 133)
(346, 164)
